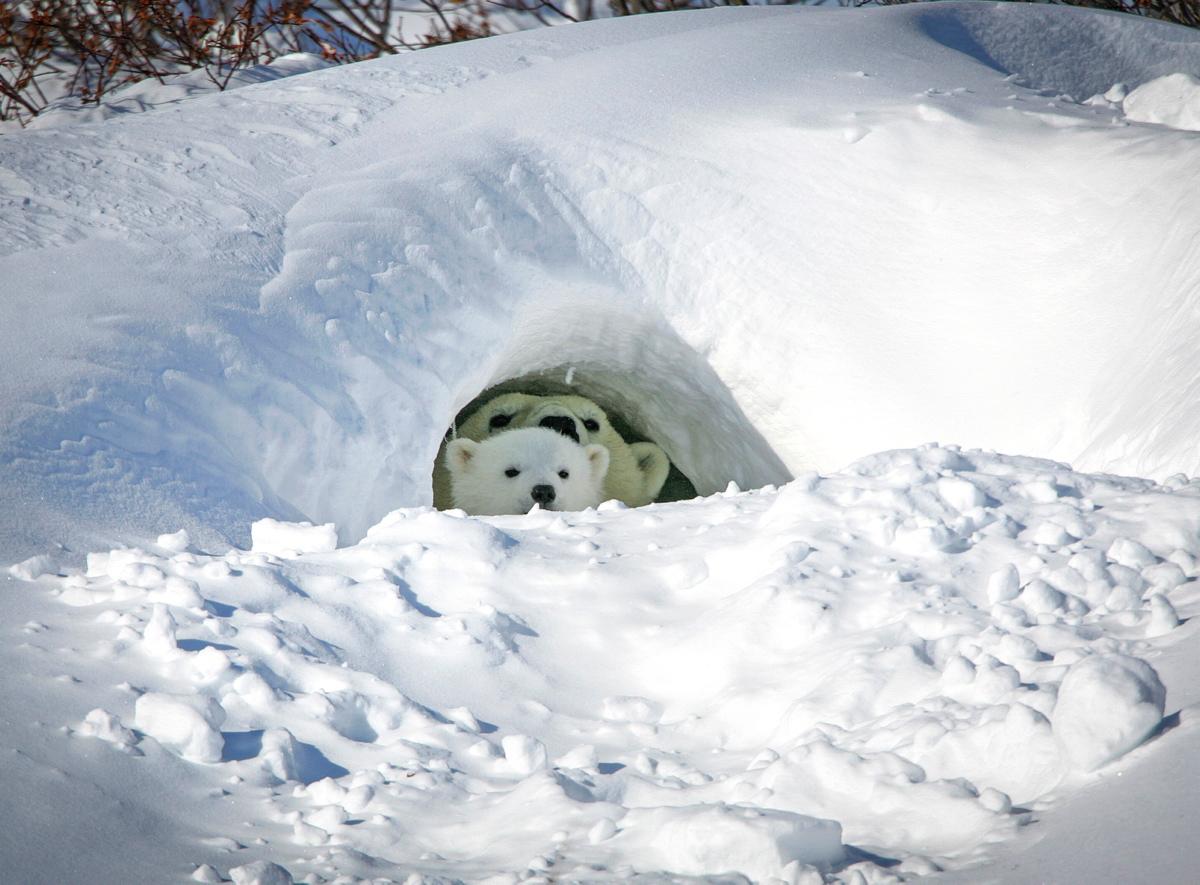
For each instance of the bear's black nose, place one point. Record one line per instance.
(561, 424)
(542, 494)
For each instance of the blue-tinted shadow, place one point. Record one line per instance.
(947, 28)
(197, 644)
(241, 745)
(311, 764)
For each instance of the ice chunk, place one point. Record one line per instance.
(184, 724)
(1163, 617)
(960, 494)
(158, 639)
(326, 791)
(277, 755)
(1107, 705)
(101, 724)
(1039, 597)
(1130, 553)
(1004, 584)
(1164, 576)
(304, 834)
(1050, 534)
(523, 754)
(328, 818)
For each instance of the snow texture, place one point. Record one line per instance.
(764, 683)
(152, 93)
(236, 327)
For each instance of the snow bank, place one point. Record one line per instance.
(864, 230)
(764, 684)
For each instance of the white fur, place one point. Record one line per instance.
(480, 486)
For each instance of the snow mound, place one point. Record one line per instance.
(1107, 705)
(183, 723)
(762, 684)
(700, 840)
(260, 873)
(1173, 100)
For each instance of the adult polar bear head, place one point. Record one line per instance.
(636, 471)
(511, 472)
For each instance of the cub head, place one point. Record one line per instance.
(506, 412)
(515, 470)
(638, 470)
(576, 417)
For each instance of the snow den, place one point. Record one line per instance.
(651, 385)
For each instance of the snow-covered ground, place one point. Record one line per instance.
(148, 94)
(773, 240)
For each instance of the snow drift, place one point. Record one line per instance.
(815, 235)
(873, 672)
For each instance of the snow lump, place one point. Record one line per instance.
(1107, 705)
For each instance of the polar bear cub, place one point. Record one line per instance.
(636, 471)
(510, 472)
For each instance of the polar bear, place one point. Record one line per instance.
(636, 471)
(513, 471)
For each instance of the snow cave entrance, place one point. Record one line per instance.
(677, 487)
(652, 385)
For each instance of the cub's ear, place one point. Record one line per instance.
(598, 457)
(654, 465)
(460, 455)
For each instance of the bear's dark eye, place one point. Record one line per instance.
(499, 421)
(591, 424)
(512, 473)
(562, 474)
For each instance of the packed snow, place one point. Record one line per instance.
(240, 646)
